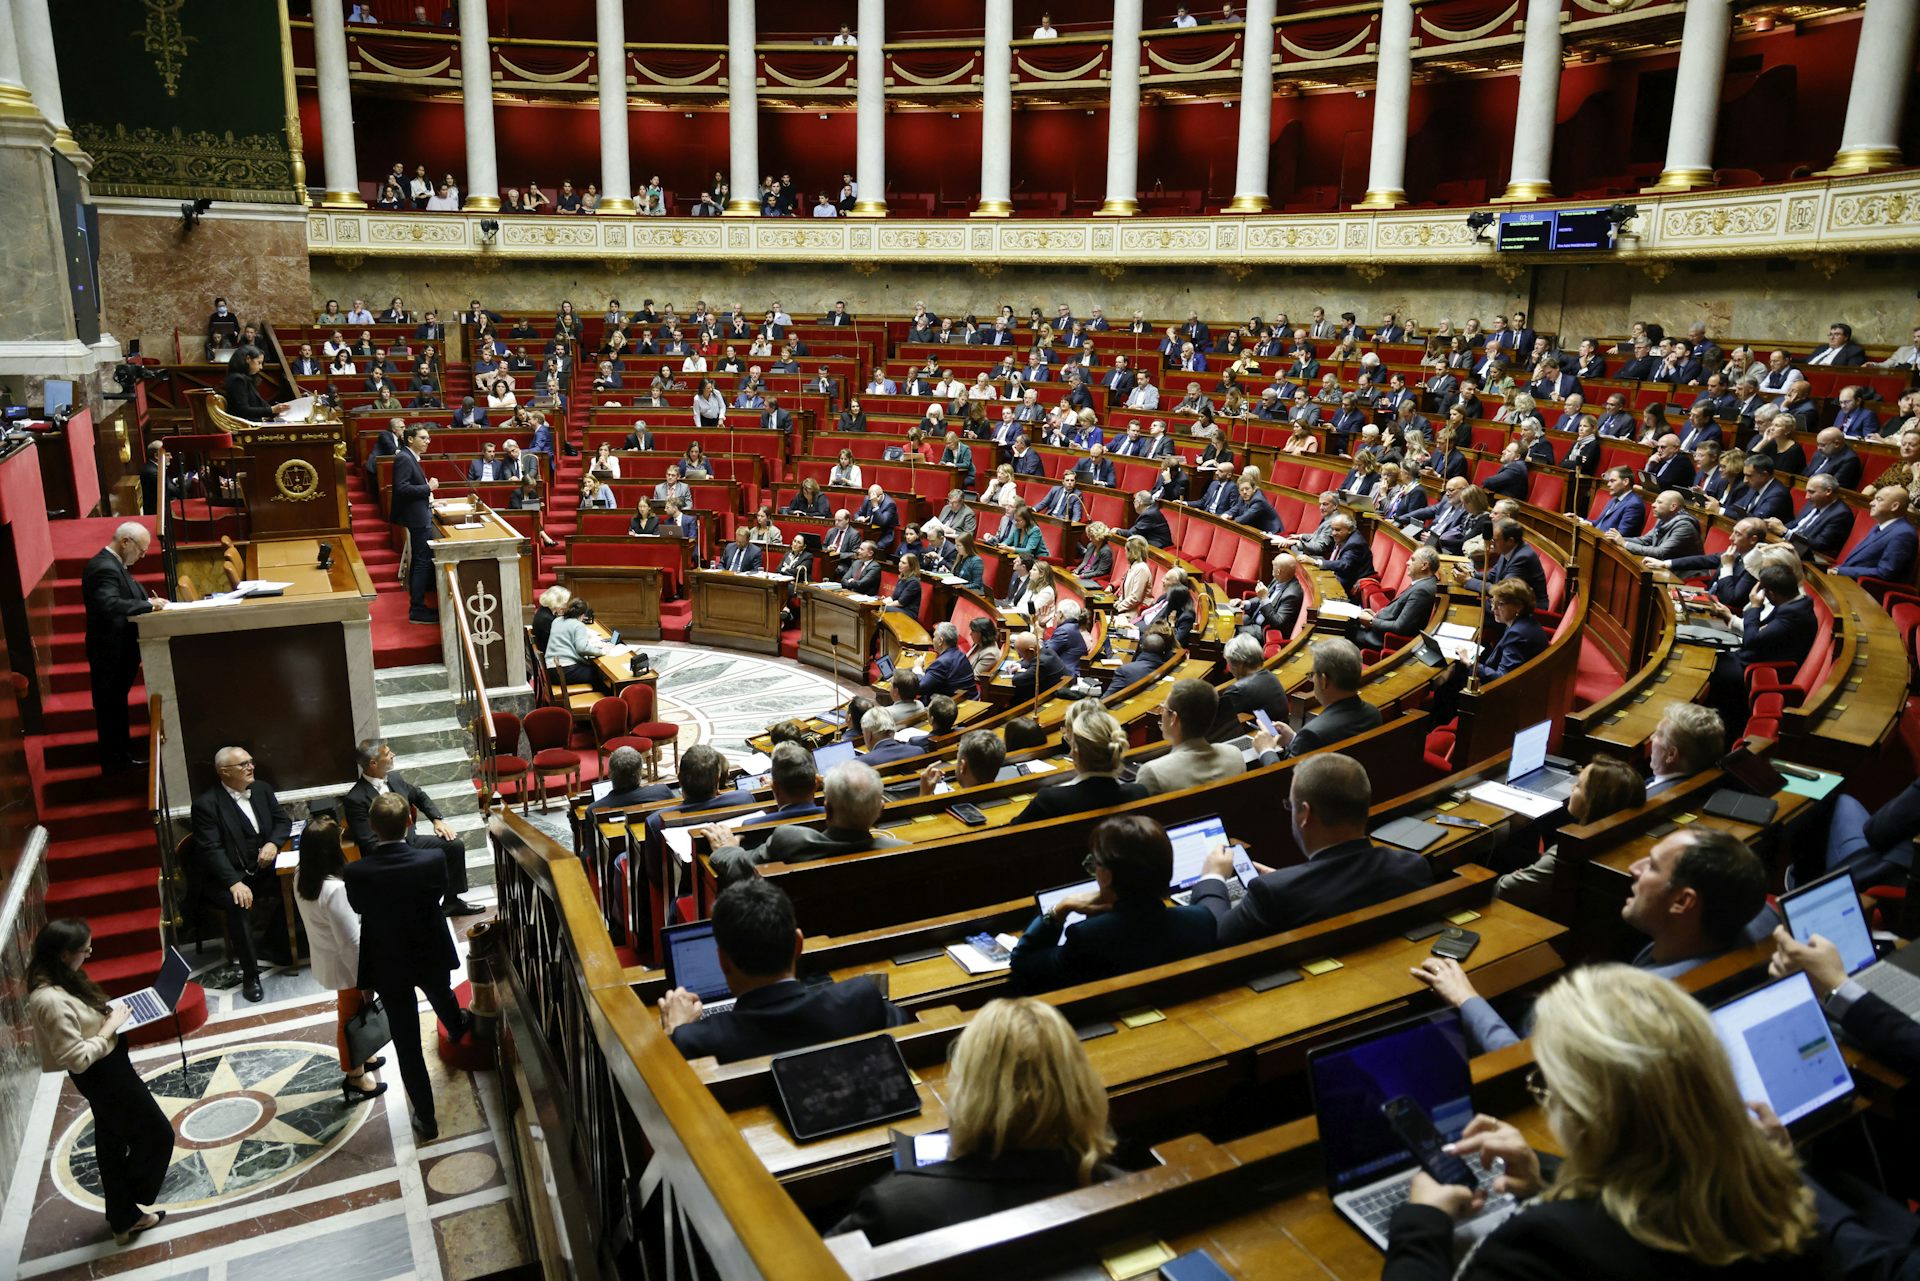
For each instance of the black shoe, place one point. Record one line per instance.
(374, 1064)
(460, 907)
(252, 990)
(423, 616)
(125, 1238)
(353, 1095)
(426, 1131)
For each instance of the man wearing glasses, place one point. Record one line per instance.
(239, 829)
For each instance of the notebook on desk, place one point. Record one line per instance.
(150, 1004)
(1783, 1050)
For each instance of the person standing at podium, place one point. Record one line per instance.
(113, 601)
(242, 393)
(413, 512)
(740, 556)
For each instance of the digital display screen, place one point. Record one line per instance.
(1547, 230)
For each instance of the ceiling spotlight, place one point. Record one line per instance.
(1478, 222)
(1619, 214)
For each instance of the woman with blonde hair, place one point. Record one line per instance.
(551, 604)
(1003, 483)
(1666, 1173)
(1097, 746)
(1136, 583)
(1027, 1119)
(1041, 602)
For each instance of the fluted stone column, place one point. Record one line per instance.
(336, 107)
(1870, 138)
(1531, 175)
(743, 111)
(616, 168)
(33, 28)
(1250, 178)
(1123, 114)
(996, 114)
(476, 108)
(1392, 94)
(1696, 96)
(15, 99)
(870, 129)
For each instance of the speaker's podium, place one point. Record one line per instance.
(291, 472)
(739, 611)
(477, 552)
(827, 613)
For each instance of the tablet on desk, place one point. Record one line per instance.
(843, 1087)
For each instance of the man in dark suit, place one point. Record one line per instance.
(412, 510)
(430, 329)
(1040, 668)
(1149, 522)
(1841, 349)
(1888, 549)
(1701, 427)
(838, 316)
(489, 466)
(1145, 661)
(1343, 713)
(1512, 558)
(759, 945)
(1625, 511)
(1328, 799)
(1063, 500)
(1253, 688)
(881, 515)
(1668, 467)
(877, 729)
(1406, 613)
(1096, 468)
(379, 778)
(113, 601)
(740, 556)
(1675, 533)
(862, 573)
(470, 414)
(1351, 558)
(948, 671)
(239, 829)
(1765, 495)
(405, 944)
(1277, 607)
(776, 418)
(306, 364)
(1068, 643)
(1510, 479)
(1253, 510)
(1825, 521)
(1832, 456)
(624, 766)
(1783, 633)
(840, 543)
(1871, 1021)
(1726, 572)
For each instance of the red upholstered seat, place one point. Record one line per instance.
(1596, 677)
(505, 774)
(549, 729)
(639, 698)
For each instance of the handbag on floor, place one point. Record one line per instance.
(367, 1030)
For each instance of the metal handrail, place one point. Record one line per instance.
(160, 808)
(470, 691)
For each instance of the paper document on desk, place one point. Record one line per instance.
(752, 762)
(1513, 799)
(259, 587)
(616, 651)
(1461, 651)
(1454, 631)
(1818, 788)
(1339, 609)
(973, 961)
(680, 841)
(299, 409)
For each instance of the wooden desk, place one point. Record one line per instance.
(297, 561)
(495, 581)
(738, 611)
(826, 612)
(617, 669)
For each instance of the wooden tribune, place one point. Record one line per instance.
(293, 474)
(739, 611)
(825, 614)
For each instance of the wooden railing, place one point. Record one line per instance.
(470, 687)
(173, 889)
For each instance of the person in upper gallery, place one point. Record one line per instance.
(378, 778)
(1887, 550)
(1675, 534)
(240, 391)
(853, 801)
(76, 1030)
(1666, 1172)
(1190, 709)
(239, 828)
(1824, 523)
(1407, 613)
(1027, 1118)
(113, 600)
(1521, 637)
(1128, 924)
(1841, 349)
(1606, 786)
(1328, 798)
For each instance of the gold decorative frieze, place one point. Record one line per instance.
(186, 166)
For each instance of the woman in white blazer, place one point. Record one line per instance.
(1135, 584)
(333, 939)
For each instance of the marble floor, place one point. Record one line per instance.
(274, 1177)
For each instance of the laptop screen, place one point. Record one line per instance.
(693, 960)
(1425, 1058)
(883, 666)
(828, 755)
(1529, 750)
(1047, 898)
(1830, 907)
(1782, 1049)
(1192, 842)
(173, 978)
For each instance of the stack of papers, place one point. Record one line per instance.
(973, 961)
(752, 762)
(1339, 609)
(1454, 631)
(680, 841)
(1464, 651)
(1513, 799)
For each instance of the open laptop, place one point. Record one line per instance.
(693, 962)
(1830, 907)
(1528, 770)
(151, 1004)
(1045, 899)
(828, 755)
(883, 668)
(1369, 1168)
(1783, 1050)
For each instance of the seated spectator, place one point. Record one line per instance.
(1129, 924)
(877, 729)
(1692, 896)
(1097, 748)
(623, 771)
(759, 945)
(1521, 638)
(1665, 1172)
(1604, 787)
(1191, 761)
(1328, 799)
(1253, 688)
(1026, 1117)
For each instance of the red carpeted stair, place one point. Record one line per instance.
(102, 861)
(396, 642)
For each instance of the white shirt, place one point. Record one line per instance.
(443, 204)
(1188, 21)
(333, 934)
(359, 316)
(846, 38)
(245, 802)
(420, 187)
(694, 364)
(1044, 33)
(826, 211)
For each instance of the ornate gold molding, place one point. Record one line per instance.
(188, 166)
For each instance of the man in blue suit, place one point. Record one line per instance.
(1726, 573)
(1625, 511)
(1701, 427)
(1513, 558)
(1887, 551)
(1509, 480)
(412, 510)
(1063, 500)
(1146, 659)
(1833, 456)
(1854, 418)
(1765, 496)
(949, 672)
(740, 556)
(1328, 798)
(1351, 559)
(1777, 627)
(1068, 642)
(405, 944)
(880, 514)
(1824, 522)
